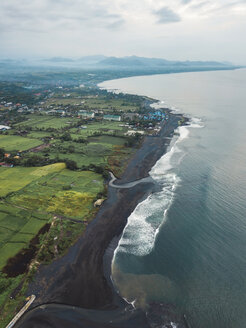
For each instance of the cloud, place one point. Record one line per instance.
(116, 25)
(218, 7)
(82, 27)
(165, 16)
(50, 14)
(185, 2)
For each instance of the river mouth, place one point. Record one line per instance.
(64, 316)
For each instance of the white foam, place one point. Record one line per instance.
(196, 123)
(144, 223)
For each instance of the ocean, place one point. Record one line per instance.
(185, 245)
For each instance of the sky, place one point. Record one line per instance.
(170, 29)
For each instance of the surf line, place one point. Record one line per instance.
(128, 184)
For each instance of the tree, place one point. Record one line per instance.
(71, 165)
(2, 152)
(66, 137)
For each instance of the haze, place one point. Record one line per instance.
(171, 29)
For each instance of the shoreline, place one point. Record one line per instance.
(66, 280)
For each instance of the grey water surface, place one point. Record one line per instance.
(186, 244)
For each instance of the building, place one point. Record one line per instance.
(133, 133)
(112, 117)
(85, 114)
(131, 116)
(4, 127)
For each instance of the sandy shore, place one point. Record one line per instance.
(80, 281)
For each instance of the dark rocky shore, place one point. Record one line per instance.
(76, 290)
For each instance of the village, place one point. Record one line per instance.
(80, 113)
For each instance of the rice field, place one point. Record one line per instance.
(17, 143)
(15, 178)
(34, 195)
(46, 121)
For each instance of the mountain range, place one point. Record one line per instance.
(130, 62)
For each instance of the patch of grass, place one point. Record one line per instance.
(48, 194)
(82, 154)
(15, 178)
(71, 203)
(118, 160)
(11, 143)
(9, 250)
(38, 134)
(7, 285)
(109, 140)
(100, 102)
(101, 127)
(46, 121)
(17, 228)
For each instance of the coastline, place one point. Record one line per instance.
(66, 281)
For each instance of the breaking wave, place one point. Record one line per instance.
(143, 224)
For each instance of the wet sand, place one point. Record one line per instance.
(81, 279)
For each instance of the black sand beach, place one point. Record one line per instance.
(77, 290)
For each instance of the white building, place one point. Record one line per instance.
(4, 127)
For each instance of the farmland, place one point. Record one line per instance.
(14, 179)
(41, 193)
(45, 122)
(43, 202)
(101, 102)
(11, 143)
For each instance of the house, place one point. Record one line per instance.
(133, 133)
(3, 164)
(4, 127)
(85, 114)
(112, 117)
(131, 116)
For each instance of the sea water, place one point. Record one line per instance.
(185, 245)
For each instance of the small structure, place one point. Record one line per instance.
(112, 117)
(131, 116)
(3, 164)
(98, 202)
(133, 132)
(4, 127)
(85, 114)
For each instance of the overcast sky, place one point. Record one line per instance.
(171, 29)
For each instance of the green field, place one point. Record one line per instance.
(39, 194)
(110, 104)
(10, 143)
(49, 194)
(94, 103)
(95, 152)
(108, 140)
(46, 121)
(39, 134)
(103, 127)
(67, 193)
(17, 228)
(16, 178)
